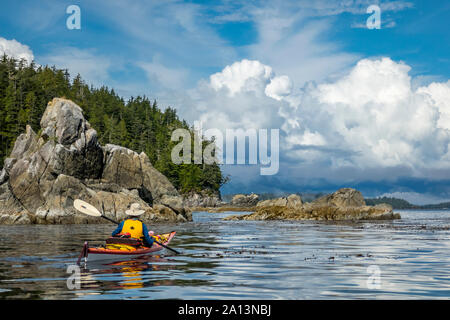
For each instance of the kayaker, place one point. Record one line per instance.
(136, 228)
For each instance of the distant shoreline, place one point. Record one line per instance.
(403, 204)
(396, 203)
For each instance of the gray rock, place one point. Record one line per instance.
(292, 201)
(9, 163)
(122, 167)
(9, 204)
(130, 170)
(64, 121)
(25, 144)
(202, 199)
(343, 198)
(155, 182)
(173, 202)
(3, 176)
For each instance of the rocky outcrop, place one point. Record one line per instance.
(241, 202)
(127, 169)
(202, 199)
(344, 204)
(343, 198)
(47, 171)
(244, 200)
(292, 201)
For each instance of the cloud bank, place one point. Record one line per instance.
(371, 123)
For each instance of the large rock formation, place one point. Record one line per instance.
(47, 171)
(344, 204)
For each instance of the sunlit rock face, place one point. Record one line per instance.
(292, 201)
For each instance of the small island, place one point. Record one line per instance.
(342, 205)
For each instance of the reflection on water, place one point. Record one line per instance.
(239, 260)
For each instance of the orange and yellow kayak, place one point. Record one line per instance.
(122, 252)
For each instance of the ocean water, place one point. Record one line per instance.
(401, 259)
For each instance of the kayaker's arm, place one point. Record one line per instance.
(149, 240)
(118, 229)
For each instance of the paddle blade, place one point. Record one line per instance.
(86, 208)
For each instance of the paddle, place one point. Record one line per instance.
(92, 211)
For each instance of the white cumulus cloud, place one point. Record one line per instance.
(279, 87)
(439, 95)
(372, 119)
(235, 98)
(245, 75)
(15, 49)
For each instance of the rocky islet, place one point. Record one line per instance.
(47, 170)
(344, 204)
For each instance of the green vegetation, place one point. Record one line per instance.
(137, 124)
(403, 204)
(444, 205)
(394, 202)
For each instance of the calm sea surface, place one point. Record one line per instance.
(401, 259)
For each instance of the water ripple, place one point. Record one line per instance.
(240, 260)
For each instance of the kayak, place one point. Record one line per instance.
(105, 253)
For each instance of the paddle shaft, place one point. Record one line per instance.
(162, 245)
(109, 219)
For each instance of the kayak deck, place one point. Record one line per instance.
(101, 253)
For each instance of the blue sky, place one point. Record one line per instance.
(170, 50)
